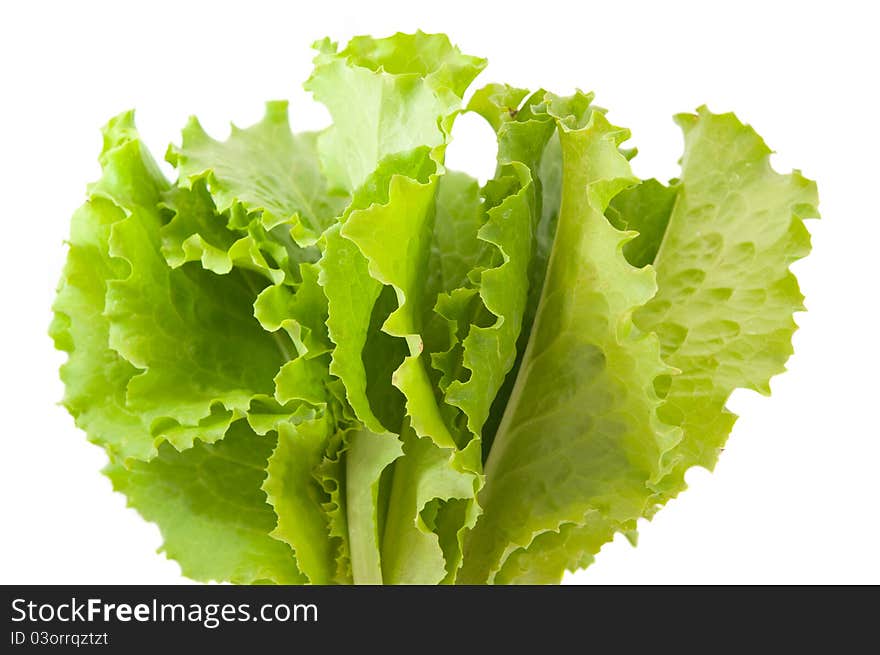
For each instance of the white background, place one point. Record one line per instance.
(794, 498)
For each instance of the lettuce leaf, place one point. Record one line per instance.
(586, 382)
(723, 310)
(338, 362)
(210, 494)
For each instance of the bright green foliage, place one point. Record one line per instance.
(333, 361)
(208, 503)
(723, 311)
(585, 383)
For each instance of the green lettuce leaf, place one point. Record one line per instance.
(580, 434)
(297, 497)
(723, 310)
(173, 340)
(264, 171)
(367, 457)
(209, 506)
(95, 376)
(503, 272)
(425, 479)
(192, 332)
(406, 79)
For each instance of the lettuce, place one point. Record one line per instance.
(335, 361)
